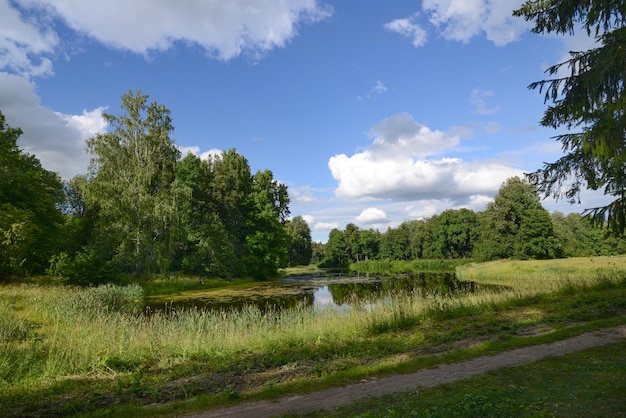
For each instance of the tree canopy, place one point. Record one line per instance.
(133, 185)
(30, 218)
(588, 100)
(142, 209)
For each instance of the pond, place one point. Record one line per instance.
(337, 292)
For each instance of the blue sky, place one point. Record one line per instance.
(370, 112)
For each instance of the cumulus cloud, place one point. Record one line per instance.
(302, 194)
(325, 226)
(24, 48)
(409, 28)
(224, 28)
(195, 150)
(56, 139)
(399, 165)
(462, 20)
(372, 215)
(401, 134)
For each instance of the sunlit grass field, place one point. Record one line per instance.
(59, 345)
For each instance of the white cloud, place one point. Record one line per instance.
(309, 219)
(408, 28)
(302, 194)
(478, 100)
(401, 134)
(325, 226)
(462, 20)
(224, 28)
(372, 215)
(396, 167)
(379, 88)
(24, 46)
(56, 139)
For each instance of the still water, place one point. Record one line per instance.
(319, 292)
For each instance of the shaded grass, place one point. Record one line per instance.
(399, 266)
(590, 383)
(64, 356)
(166, 285)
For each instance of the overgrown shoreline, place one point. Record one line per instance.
(59, 357)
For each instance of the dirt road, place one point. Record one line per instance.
(329, 398)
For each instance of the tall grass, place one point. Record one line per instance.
(51, 333)
(542, 275)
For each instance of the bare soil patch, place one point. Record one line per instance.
(374, 387)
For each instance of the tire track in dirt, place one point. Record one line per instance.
(330, 398)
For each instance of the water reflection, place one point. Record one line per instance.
(321, 293)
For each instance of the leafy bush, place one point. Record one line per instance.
(87, 267)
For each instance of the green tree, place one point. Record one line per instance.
(30, 219)
(318, 252)
(453, 234)
(420, 237)
(581, 237)
(588, 100)
(300, 243)
(266, 243)
(515, 225)
(351, 235)
(231, 184)
(536, 238)
(394, 243)
(208, 248)
(336, 250)
(369, 242)
(133, 186)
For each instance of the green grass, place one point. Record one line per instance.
(69, 350)
(167, 285)
(587, 383)
(397, 266)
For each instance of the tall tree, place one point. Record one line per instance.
(231, 184)
(133, 185)
(208, 248)
(515, 225)
(588, 99)
(336, 250)
(266, 243)
(454, 233)
(300, 243)
(30, 218)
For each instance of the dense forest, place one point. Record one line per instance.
(143, 208)
(514, 225)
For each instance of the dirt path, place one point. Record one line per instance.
(329, 398)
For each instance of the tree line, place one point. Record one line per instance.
(142, 208)
(514, 225)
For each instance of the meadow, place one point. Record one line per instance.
(70, 351)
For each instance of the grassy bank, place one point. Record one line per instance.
(398, 266)
(67, 350)
(591, 382)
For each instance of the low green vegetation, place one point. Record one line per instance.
(400, 266)
(169, 284)
(69, 350)
(591, 382)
